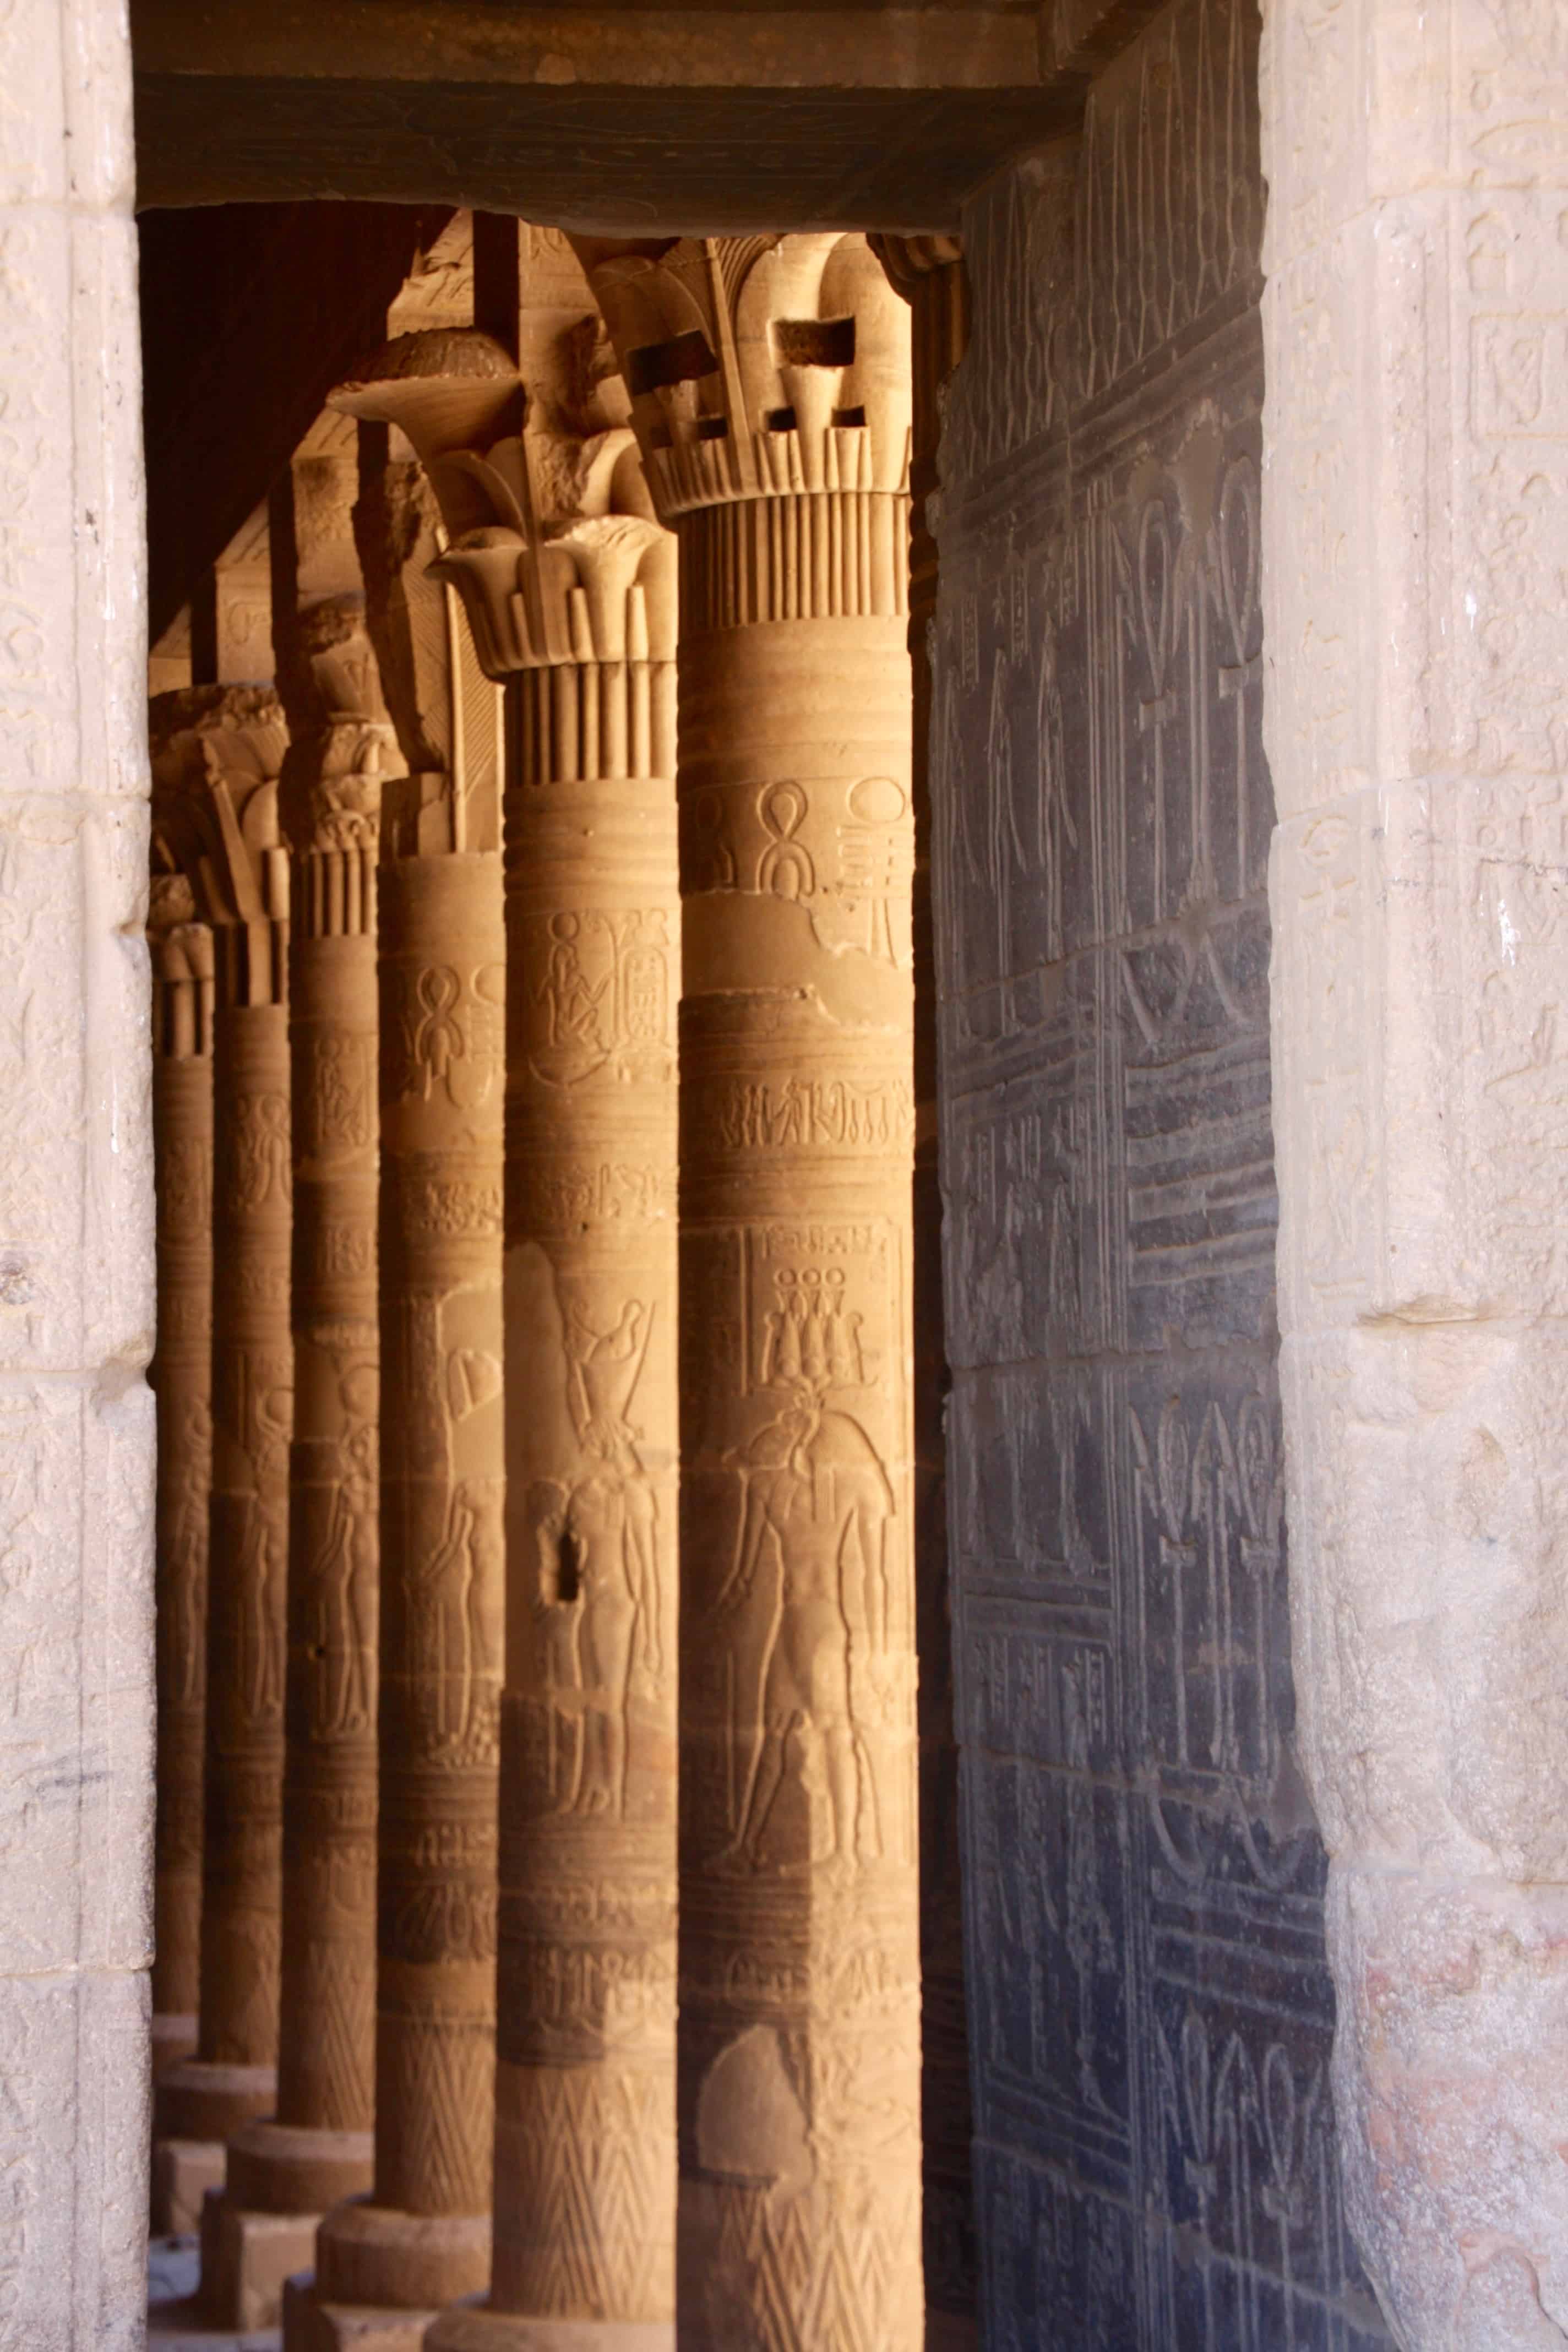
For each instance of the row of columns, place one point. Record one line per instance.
(683, 1289)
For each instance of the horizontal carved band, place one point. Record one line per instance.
(811, 556)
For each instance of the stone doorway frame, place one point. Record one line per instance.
(1416, 692)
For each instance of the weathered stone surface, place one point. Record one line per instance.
(1415, 527)
(1151, 1993)
(76, 1201)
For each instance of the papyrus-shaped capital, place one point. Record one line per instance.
(758, 366)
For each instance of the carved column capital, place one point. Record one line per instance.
(551, 539)
(758, 366)
(218, 754)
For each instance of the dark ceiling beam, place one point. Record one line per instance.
(723, 117)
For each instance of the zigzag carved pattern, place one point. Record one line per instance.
(591, 2176)
(825, 2268)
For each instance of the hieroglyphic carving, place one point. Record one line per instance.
(317, 2145)
(422, 2238)
(181, 1376)
(216, 758)
(1154, 2140)
(581, 621)
(766, 373)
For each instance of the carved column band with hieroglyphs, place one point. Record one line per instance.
(216, 795)
(182, 1381)
(770, 392)
(317, 2149)
(423, 2238)
(573, 602)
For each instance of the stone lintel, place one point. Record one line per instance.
(645, 47)
(593, 155)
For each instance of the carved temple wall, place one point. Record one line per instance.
(1152, 2011)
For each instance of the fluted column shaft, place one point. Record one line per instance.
(182, 1381)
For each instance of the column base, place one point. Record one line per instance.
(373, 2255)
(276, 2167)
(473, 2328)
(199, 2100)
(310, 2324)
(183, 2172)
(246, 2259)
(173, 2041)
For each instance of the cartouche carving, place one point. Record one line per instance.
(771, 396)
(217, 752)
(570, 587)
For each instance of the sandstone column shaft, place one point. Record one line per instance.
(443, 994)
(422, 2238)
(799, 1994)
(577, 613)
(772, 399)
(584, 2082)
(325, 2073)
(252, 1404)
(182, 1380)
(216, 757)
(770, 382)
(319, 2147)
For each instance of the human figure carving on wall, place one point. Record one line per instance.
(809, 1567)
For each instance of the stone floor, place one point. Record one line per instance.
(173, 2267)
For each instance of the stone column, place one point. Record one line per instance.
(422, 2238)
(181, 1376)
(770, 392)
(1415, 536)
(574, 604)
(284, 2172)
(215, 817)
